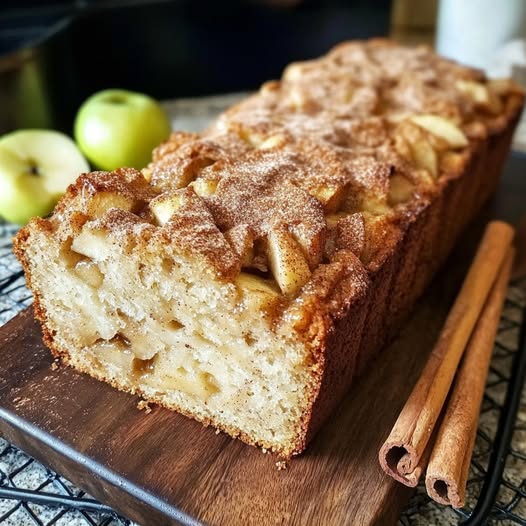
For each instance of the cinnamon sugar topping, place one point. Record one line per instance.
(332, 142)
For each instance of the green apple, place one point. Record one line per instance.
(116, 128)
(36, 167)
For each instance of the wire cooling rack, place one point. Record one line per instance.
(31, 494)
(496, 490)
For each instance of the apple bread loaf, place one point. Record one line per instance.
(249, 272)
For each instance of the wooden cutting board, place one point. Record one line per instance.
(162, 468)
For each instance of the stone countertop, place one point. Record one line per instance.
(21, 471)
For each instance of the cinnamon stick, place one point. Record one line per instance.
(448, 467)
(401, 454)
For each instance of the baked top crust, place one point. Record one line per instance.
(333, 159)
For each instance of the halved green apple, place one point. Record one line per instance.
(36, 167)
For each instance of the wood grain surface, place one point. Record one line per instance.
(162, 468)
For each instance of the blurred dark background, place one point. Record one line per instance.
(55, 54)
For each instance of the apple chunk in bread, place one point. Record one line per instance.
(400, 190)
(287, 262)
(478, 92)
(480, 95)
(412, 143)
(273, 141)
(258, 293)
(101, 202)
(443, 128)
(425, 156)
(165, 206)
(204, 187)
(331, 197)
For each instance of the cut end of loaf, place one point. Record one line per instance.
(122, 298)
(151, 322)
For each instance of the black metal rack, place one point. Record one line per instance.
(497, 482)
(32, 494)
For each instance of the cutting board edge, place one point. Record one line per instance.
(79, 469)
